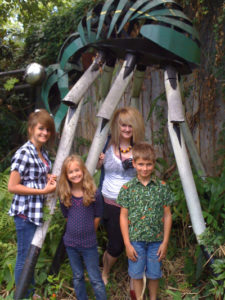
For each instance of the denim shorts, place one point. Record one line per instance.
(147, 261)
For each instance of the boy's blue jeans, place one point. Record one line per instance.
(25, 232)
(147, 261)
(91, 260)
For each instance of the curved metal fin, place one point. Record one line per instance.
(73, 36)
(169, 12)
(51, 80)
(172, 41)
(80, 29)
(70, 50)
(88, 22)
(130, 12)
(175, 23)
(102, 16)
(153, 5)
(61, 78)
(116, 15)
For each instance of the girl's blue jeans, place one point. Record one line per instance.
(88, 256)
(25, 232)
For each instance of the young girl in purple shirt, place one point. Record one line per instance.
(79, 204)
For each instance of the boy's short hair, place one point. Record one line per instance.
(143, 150)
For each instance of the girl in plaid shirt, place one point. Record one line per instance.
(30, 181)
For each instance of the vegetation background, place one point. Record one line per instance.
(34, 31)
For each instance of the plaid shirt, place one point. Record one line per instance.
(33, 173)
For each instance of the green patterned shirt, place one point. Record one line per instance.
(145, 206)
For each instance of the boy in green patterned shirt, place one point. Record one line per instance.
(145, 221)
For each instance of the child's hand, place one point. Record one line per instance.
(51, 176)
(162, 251)
(131, 253)
(50, 187)
(100, 160)
(102, 156)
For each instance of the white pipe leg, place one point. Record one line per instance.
(186, 176)
(175, 116)
(115, 94)
(105, 113)
(81, 86)
(176, 112)
(97, 145)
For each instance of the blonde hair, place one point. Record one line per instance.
(64, 186)
(44, 118)
(130, 116)
(144, 151)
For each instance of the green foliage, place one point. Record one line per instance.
(154, 103)
(43, 41)
(176, 295)
(159, 112)
(81, 142)
(7, 232)
(12, 130)
(9, 85)
(30, 11)
(54, 285)
(211, 192)
(218, 282)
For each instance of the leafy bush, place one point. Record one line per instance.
(43, 41)
(8, 237)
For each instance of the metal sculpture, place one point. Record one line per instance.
(34, 74)
(142, 33)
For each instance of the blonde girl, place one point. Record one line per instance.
(81, 207)
(127, 129)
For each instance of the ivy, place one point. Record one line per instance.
(9, 85)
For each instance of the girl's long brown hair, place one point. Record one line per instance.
(64, 187)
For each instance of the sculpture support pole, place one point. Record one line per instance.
(106, 79)
(106, 111)
(78, 90)
(193, 150)
(180, 152)
(136, 88)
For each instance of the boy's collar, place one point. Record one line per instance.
(152, 179)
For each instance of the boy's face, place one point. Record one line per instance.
(144, 168)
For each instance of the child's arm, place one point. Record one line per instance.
(167, 228)
(15, 186)
(96, 222)
(130, 251)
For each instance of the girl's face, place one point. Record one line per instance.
(126, 131)
(74, 173)
(39, 134)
